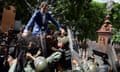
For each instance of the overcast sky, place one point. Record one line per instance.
(103, 1)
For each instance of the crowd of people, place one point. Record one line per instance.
(35, 47)
(38, 48)
(18, 54)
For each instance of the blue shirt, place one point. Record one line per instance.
(36, 22)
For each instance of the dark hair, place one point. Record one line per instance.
(43, 3)
(12, 52)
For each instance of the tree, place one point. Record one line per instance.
(116, 36)
(116, 16)
(86, 16)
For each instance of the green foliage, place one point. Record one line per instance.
(116, 36)
(52, 26)
(86, 16)
(116, 16)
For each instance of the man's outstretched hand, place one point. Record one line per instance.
(62, 31)
(26, 34)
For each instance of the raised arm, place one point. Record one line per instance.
(30, 23)
(57, 24)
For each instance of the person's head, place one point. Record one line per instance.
(44, 6)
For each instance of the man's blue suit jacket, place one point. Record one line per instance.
(37, 24)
